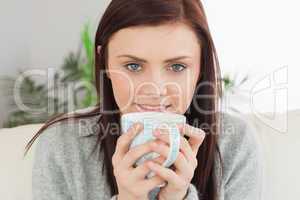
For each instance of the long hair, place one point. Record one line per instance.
(123, 14)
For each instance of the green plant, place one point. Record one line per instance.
(232, 91)
(33, 96)
(87, 67)
(77, 67)
(230, 83)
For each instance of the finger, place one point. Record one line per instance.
(167, 174)
(138, 151)
(196, 135)
(142, 170)
(125, 139)
(180, 162)
(153, 182)
(159, 160)
(184, 146)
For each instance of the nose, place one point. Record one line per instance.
(154, 91)
(154, 86)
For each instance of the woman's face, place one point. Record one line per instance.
(154, 66)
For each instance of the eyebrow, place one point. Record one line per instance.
(145, 61)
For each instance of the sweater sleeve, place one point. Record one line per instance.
(192, 193)
(243, 164)
(48, 182)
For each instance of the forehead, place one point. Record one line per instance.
(164, 40)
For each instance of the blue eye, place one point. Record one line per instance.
(133, 66)
(178, 67)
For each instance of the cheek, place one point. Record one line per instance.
(122, 89)
(184, 95)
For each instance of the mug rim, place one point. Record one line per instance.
(152, 113)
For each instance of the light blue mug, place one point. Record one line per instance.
(151, 121)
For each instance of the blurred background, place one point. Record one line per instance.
(46, 59)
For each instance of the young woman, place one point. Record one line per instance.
(149, 53)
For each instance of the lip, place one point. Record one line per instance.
(148, 108)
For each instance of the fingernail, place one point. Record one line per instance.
(156, 132)
(139, 125)
(154, 144)
(150, 164)
(178, 126)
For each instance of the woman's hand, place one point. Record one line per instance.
(178, 180)
(131, 181)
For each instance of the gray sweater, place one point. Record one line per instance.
(62, 169)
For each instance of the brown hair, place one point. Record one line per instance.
(123, 14)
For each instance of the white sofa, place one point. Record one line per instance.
(281, 150)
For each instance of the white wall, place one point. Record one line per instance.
(40, 33)
(260, 37)
(56, 27)
(14, 34)
(257, 36)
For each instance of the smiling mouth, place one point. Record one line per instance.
(157, 108)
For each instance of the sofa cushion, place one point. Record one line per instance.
(15, 170)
